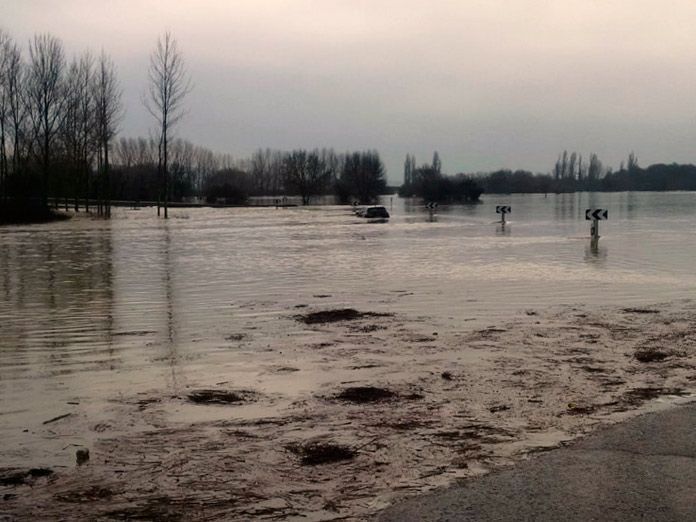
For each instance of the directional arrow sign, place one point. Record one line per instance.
(596, 213)
(431, 205)
(502, 209)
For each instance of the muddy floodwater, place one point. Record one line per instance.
(304, 363)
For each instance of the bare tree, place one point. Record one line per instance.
(305, 174)
(78, 127)
(14, 75)
(109, 110)
(45, 99)
(169, 84)
(5, 44)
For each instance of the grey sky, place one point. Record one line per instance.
(488, 83)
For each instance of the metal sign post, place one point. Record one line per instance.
(502, 210)
(595, 215)
(431, 208)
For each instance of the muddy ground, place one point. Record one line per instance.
(388, 406)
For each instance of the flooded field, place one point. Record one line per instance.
(183, 354)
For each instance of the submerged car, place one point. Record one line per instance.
(375, 212)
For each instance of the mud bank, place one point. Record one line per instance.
(347, 414)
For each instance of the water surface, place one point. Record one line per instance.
(93, 309)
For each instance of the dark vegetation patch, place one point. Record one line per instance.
(242, 434)
(15, 477)
(367, 394)
(315, 453)
(593, 369)
(640, 311)
(220, 396)
(446, 376)
(363, 394)
(336, 315)
(482, 433)
(501, 407)
(638, 396)
(287, 369)
(88, 495)
(421, 339)
(161, 509)
(576, 409)
(323, 345)
(236, 337)
(405, 424)
(368, 328)
(650, 354)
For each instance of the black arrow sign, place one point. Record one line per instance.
(503, 209)
(431, 205)
(596, 213)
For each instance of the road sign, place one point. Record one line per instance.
(431, 205)
(503, 209)
(596, 213)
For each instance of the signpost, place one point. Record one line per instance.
(431, 206)
(502, 210)
(596, 215)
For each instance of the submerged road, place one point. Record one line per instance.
(643, 469)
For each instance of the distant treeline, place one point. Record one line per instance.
(429, 183)
(196, 172)
(571, 174)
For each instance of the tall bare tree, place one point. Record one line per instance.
(15, 72)
(109, 110)
(78, 127)
(169, 84)
(45, 98)
(5, 43)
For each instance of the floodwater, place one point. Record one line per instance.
(94, 311)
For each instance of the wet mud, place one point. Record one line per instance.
(288, 430)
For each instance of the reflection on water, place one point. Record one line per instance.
(89, 306)
(503, 229)
(595, 254)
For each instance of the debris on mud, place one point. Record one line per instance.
(650, 354)
(59, 417)
(576, 409)
(219, 396)
(363, 394)
(82, 456)
(501, 407)
(336, 315)
(638, 396)
(640, 311)
(88, 495)
(160, 508)
(15, 477)
(368, 328)
(236, 337)
(315, 453)
(446, 376)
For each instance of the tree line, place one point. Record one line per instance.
(571, 173)
(429, 183)
(197, 173)
(58, 118)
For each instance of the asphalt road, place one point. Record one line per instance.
(643, 469)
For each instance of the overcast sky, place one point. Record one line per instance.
(487, 83)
